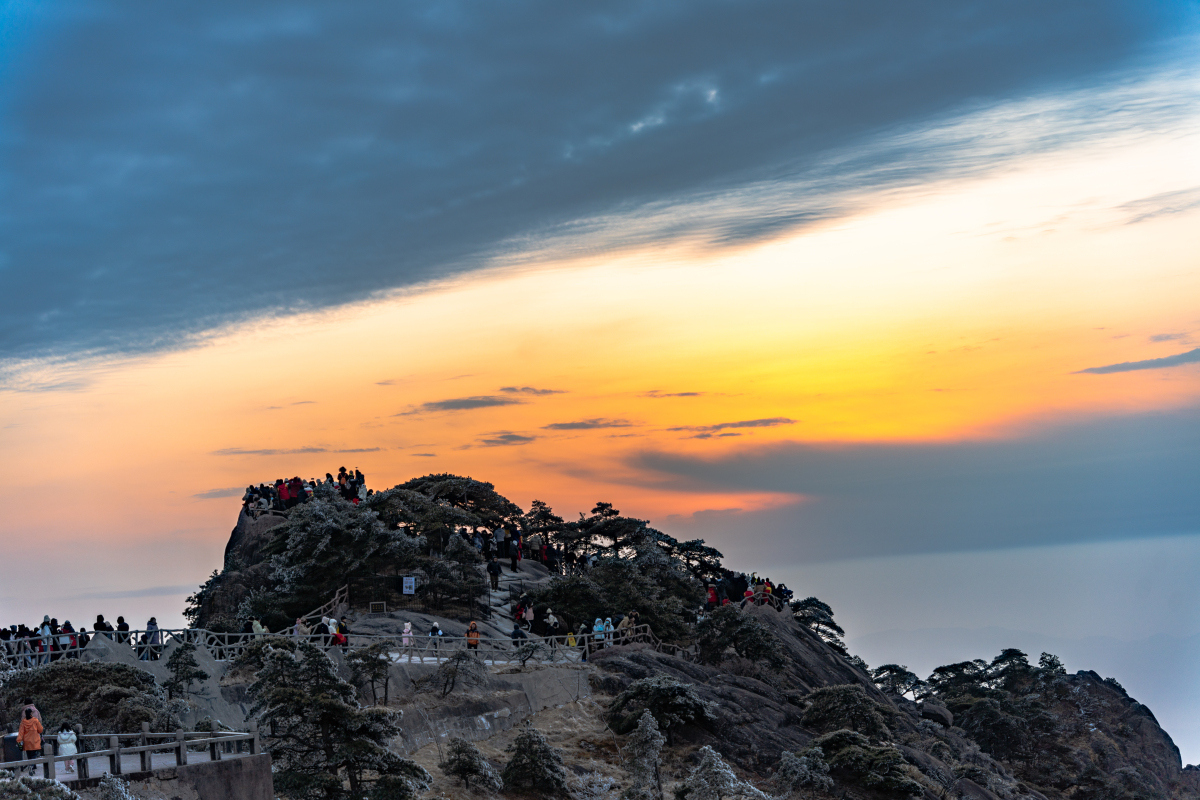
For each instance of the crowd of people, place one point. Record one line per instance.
(289, 493)
(50, 641)
(747, 589)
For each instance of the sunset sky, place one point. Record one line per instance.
(894, 303)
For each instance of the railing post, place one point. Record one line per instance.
(81, 763)
(254, 745)
(180, 747)
(144, 740)
(49, 770)
(214, 750)
(114, 758)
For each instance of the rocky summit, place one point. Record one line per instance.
(606, 659)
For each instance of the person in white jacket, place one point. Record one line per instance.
(67, 745)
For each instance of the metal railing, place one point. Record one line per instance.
(179, 742)
(413, 649)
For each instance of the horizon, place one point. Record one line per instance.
(895, 306)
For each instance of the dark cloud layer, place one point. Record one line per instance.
(587, 424)
(169, 168)
(465, 404)
(1106, 479)
(1177, 360)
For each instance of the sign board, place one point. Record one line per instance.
(410, 584)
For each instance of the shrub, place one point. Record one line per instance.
(712, 779)
(879, 768)
(808, 770)
(836, 707)
(673, 705)
(535, 766)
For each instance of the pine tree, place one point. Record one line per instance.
(642, 760)
(713, 779)
(535, 765)
(369, 666)
(672, 703)
(807, 771)
(463, 760)
(184, 669)
(320, 740)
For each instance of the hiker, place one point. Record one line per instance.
(300, 629)
(153, 639)
(514, 551)
(712, 602)
(472, 637)
(123, 628)
(494, 570)
(406, 640)
(551, 623)
(529, 617)
(435, 635)
(66, 745)
(256, 627)
(27, 705)
(29, 737)
(608, 632)
(598, 633)
(517, 633)
(624, 627)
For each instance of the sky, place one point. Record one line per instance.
(893, 303)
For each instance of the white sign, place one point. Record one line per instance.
(410, 585)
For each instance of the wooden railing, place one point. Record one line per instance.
(179, 743)
(419, 647)
(340, 600)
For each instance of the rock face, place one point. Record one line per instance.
(245, 571)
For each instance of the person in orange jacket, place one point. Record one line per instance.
(473, 637)
(29, 736)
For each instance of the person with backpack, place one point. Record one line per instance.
(29, 737)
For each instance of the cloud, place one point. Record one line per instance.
(360, 450)
(424, 455)
(237, 451)
(657, 395)
(304, 403)
(504, 439)
(709, 431)
(645, 121)
(588, 425)
(1168, 337)
(1161, 205)
(530, 390)
(213, 494)
(1102, 479)
(463, 404)
(152, 591)
(1190, 357)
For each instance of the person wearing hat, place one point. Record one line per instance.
(435, 634)
(552, 628)
(472, 636)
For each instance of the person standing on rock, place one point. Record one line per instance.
(494, 569)
(29, 737)
(514, 551)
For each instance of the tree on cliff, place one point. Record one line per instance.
(184, 669)
(643, 752)
(463, 760)
(369, 667)
(320, 739)
(713, 779)
(729, 627)
(535, 766)
(818, 618)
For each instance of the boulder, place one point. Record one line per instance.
(936, 712)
